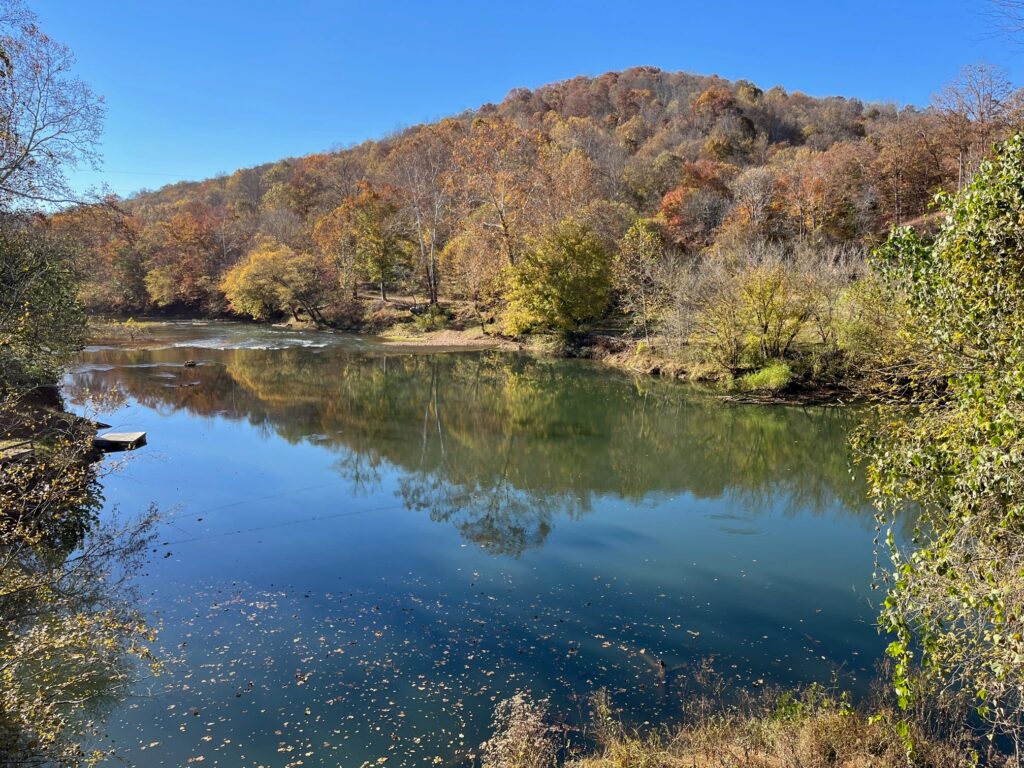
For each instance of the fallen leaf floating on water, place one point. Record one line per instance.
(409, 673)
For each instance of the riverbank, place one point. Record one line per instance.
(719, 727)
(35, 418)
(810, 728)
(778, 383)
(447, 338)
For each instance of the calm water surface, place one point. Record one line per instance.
(363, 548)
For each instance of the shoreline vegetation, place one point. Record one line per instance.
(813, 727)
(616, 351)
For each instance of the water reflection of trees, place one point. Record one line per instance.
(499, 444)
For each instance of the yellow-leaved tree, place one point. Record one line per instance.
(562, 283)
(274, 279)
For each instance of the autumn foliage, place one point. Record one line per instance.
(453, 210)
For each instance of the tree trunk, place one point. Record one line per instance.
(433, 274)
(431, 287)
(647, 333)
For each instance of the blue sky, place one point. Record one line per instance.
(198, 88)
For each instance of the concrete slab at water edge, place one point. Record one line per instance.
(120, 441)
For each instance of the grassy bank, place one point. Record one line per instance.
(810, 376)
(823, 737)
(810, 728)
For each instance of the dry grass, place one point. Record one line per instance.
(815, 740)
(657, 358)
(522, 738)
(470, 338)
(812, 729)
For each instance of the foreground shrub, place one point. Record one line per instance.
(434, 319)
(522, 736)
(41, 322)
(955, 592)
(774, 377)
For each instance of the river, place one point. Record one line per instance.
(363, 548)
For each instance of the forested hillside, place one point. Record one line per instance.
(637, 193)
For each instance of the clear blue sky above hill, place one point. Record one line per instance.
(197, 88)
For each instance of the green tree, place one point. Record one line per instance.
(708, 310)
(41, 321)
(562, 283)
(749, 307)
(955, 601)
(369, 220)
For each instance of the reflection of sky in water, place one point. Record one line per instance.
(361, 553)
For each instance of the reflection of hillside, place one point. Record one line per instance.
(498, 444)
